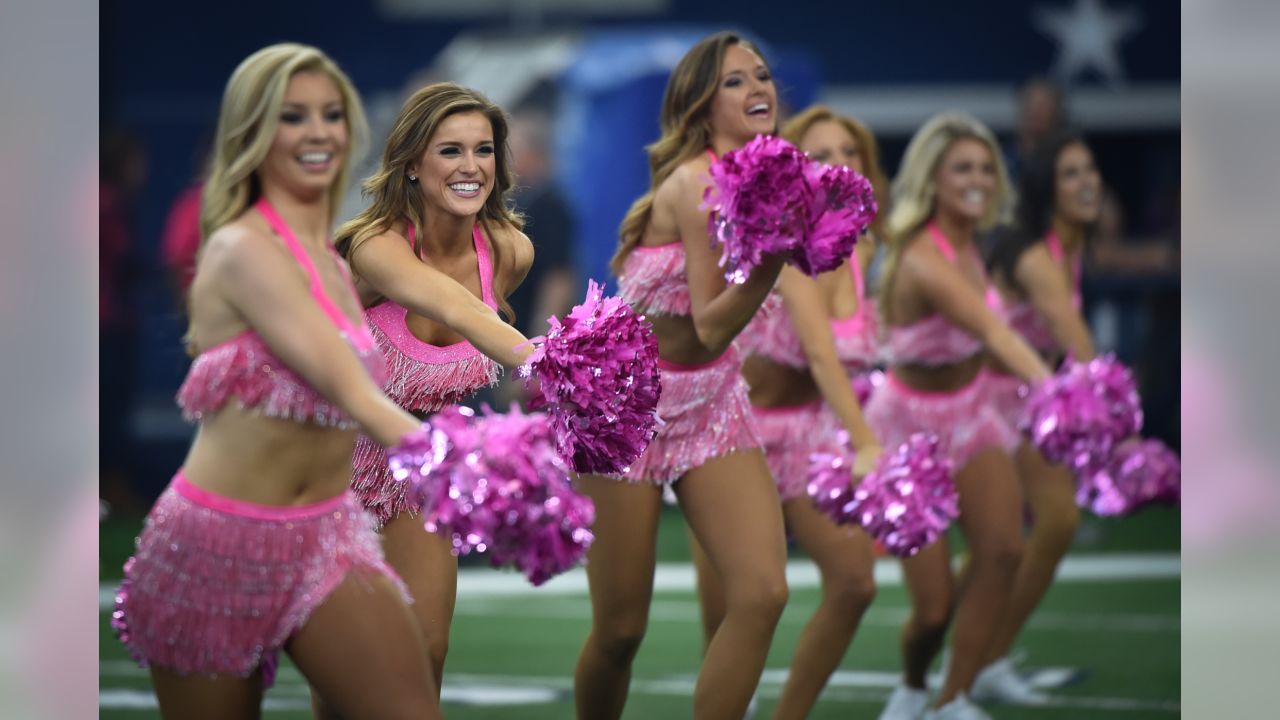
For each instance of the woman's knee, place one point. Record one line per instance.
(1002, 552)
(764, 595)
(850, 589)
(1058, 523)
(619, 637)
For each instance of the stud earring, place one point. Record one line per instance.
(413, 178)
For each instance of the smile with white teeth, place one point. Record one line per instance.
(315, 158)
(465, 188)
(758, 109)
(974, 196)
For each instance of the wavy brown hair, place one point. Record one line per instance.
(392, 197)
(685, 124)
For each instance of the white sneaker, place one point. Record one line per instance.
(958, 709)
(1000, 682)
(906, 703)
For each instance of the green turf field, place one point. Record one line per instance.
(1110, 629)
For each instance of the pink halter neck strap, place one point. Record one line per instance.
(322, 298)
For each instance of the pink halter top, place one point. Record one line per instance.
(934, 340)
(423, 377)
(772, 335)
(1023, 317)
(653, 278)
(245, 369)
(654, 281)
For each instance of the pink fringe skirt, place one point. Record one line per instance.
(705, 414)
(1003, 393)
(789, 435)
(964, 420)
(217, 586)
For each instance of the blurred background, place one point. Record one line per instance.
(582, 81)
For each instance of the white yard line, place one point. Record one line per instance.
(679, 577)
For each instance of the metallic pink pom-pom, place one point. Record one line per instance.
(1138, 473)
(1077, 416)
(597, 375)
(906, 503)
(865, 384)
(839, 207)
(496, 483)
(756, 203)
(544, 526)
(831, 479)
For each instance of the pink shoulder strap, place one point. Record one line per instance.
(944, 245)
(484, 264)
(322, 298)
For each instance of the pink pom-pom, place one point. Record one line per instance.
(756, 203)
(831, 479)
(598, 378)
(1137, 474)
(906, 503)
(1077, 416)
(865, 384)
(543, 527)
(840, 205)
(497, 484)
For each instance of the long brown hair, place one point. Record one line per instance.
(392, 195)
(685, 124)
(797, 127)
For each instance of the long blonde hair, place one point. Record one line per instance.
(247, 122)
(393, 197)
(914, 192)
(247, 127)
(797, 127)
(685, 124)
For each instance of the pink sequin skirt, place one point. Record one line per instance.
(217, 586)
(789, 435)
(705, 414)
(964, 420)
(1003, 393)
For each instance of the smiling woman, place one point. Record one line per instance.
(435, 255)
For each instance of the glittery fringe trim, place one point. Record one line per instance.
(706, 414)
(789, 436)
(216, 593)
(1007, 395)
(244, 370)
(964, 420)
(373, 486)
(425, 387)
(653, 281)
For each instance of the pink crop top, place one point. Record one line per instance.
(934, 340)
(654, 281)
(1023, 317)
(245, 369)
(772, 335)
(653, 278)
(423, 377)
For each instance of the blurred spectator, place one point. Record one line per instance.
(1041, 112)
(1115, 251)
(552, 286)
(122, 175)
(180, 242)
